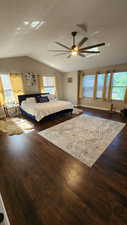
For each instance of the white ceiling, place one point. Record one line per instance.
(106, 21)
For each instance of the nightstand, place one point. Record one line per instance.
(12, 110)
(2, 113)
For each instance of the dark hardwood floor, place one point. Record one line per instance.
(42, 185)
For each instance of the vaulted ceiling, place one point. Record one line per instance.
(30, 28)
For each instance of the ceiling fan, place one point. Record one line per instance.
(76, 50)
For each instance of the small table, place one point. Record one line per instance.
(2, 113)
(12, 110)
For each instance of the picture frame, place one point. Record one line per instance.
(69, 80)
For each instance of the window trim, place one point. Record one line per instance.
(10, 100)
(113, 86)
(93, 85)
(103, 90)
(50, 86)
(107, 86)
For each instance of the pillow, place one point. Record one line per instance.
(42, 99)
(31, 100)
(23, 102)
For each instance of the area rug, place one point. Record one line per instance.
(84, 137)
(77, 111)
(15, 125)
(3, 210)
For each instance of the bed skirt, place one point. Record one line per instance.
(51, 116)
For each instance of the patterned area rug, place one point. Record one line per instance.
(84, 137)
(2, 210)
(15, 126)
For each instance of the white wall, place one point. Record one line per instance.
(71, 89)
(26, 64)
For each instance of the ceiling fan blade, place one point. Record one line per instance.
(64, 46)
(82, 55)
(61, 54)
(58, 51)
(93, 46)
(90, 52)
(82, 42)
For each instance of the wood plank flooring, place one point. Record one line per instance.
(43, 185)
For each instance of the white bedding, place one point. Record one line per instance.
(40, 110)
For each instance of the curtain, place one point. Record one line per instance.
(104, 88)
(110, 87)
(80, 84)
(95, 86)
(40, 83)
(56, 85)
(17, 85)
(125, 97)
(1, 94)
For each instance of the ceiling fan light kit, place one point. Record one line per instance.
(76, 50)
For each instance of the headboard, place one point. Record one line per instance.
(23, 97)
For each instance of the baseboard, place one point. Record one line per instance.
(95, 107)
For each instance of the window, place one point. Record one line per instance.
(100, 85)
(8, 92)
(88, 85)
(49, 84)
(119, 85)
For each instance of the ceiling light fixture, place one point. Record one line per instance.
(75, 51)
(18, 28)
(26, 22)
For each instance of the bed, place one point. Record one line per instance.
(38, 110)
